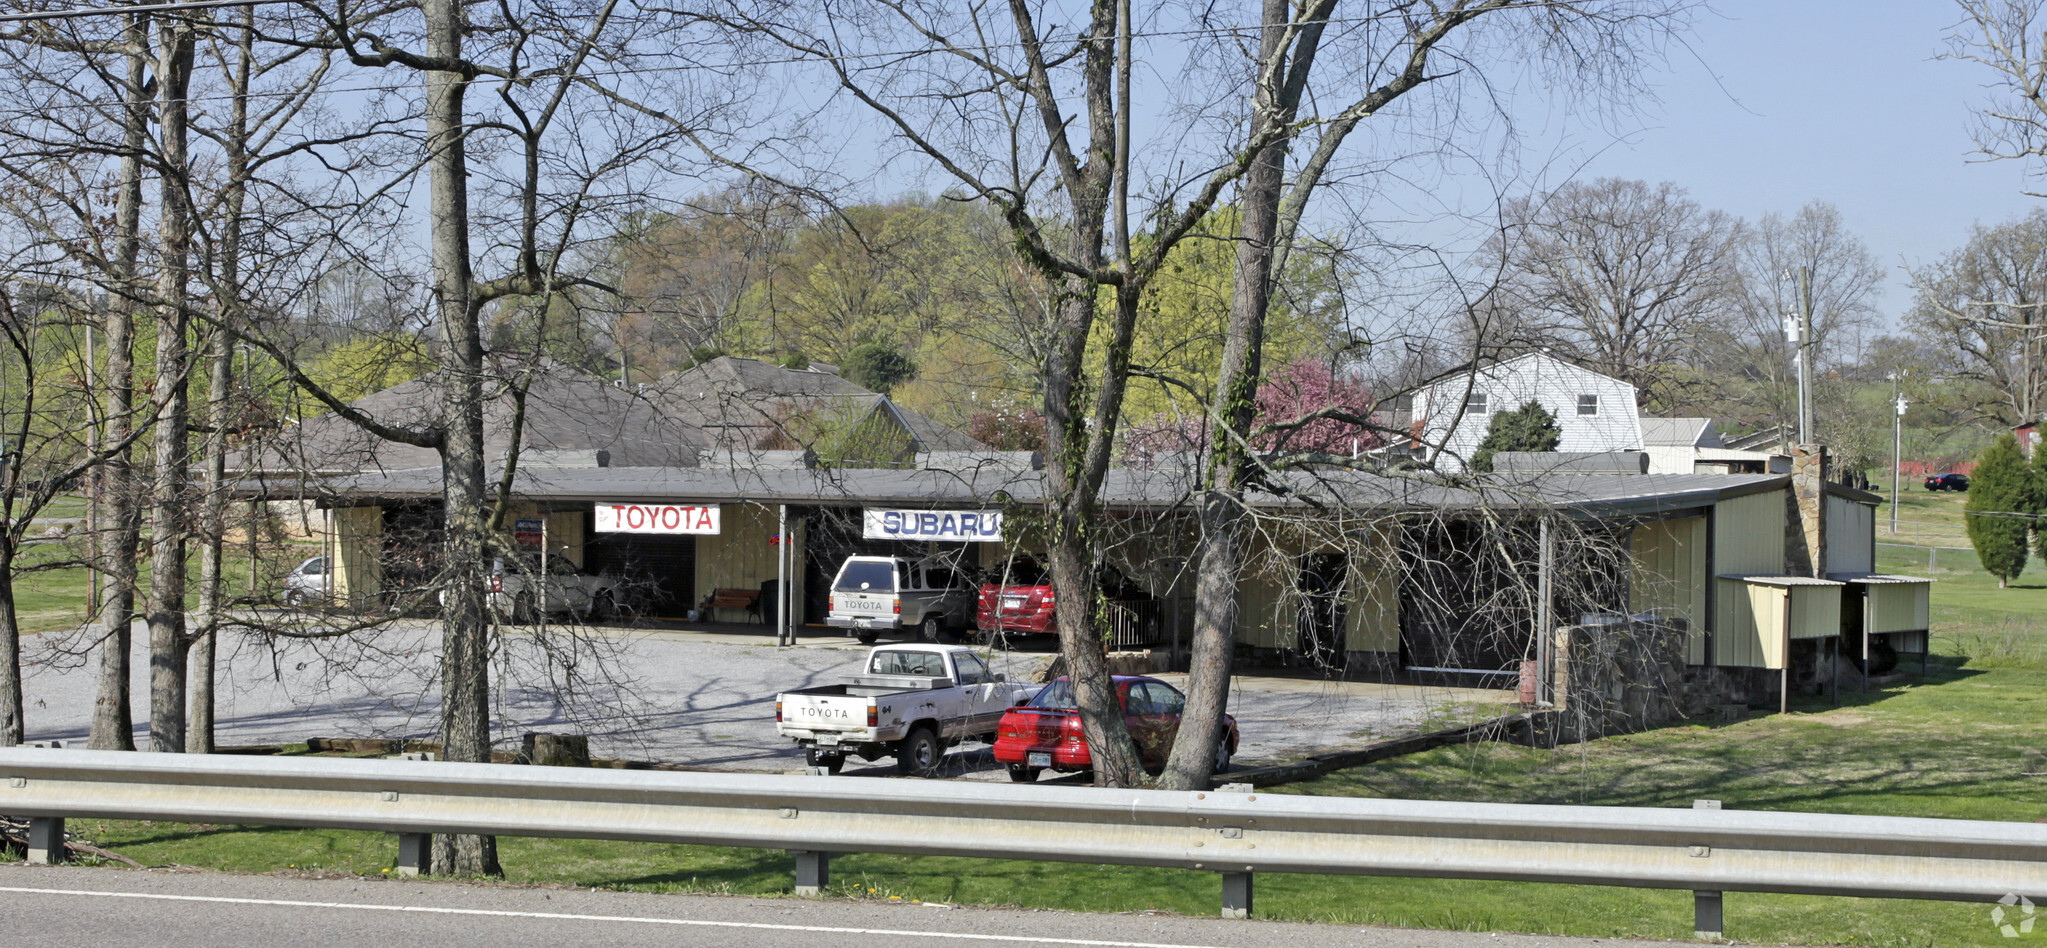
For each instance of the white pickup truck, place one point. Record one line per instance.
(909, 701)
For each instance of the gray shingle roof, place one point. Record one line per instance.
(744, 403)
(566, 410)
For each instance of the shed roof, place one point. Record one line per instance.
(1879, 579)
(1773, 580)
(1679, 432)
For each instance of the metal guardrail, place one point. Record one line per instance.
(1236, 834)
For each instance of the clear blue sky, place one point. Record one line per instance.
(1777, 104)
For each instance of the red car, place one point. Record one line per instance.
(1046, 733)
(1022, 602)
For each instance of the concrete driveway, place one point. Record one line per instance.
(697, 698)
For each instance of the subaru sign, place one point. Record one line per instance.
(942, 526)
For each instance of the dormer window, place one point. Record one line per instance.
(1588, 404)
(1475, 404)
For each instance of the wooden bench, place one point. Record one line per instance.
(747, 599)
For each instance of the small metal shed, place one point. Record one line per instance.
(1783, 608)
(1895, 610)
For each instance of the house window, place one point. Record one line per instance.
(1588, 404)
(1475, 404)
(1399, 411)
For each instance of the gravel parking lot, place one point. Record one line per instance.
(699, 699)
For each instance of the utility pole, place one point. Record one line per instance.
(1804, 355)
(1897, 448)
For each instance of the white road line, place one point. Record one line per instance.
(564, 916)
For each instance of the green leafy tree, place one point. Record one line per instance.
(2037, 499)
(2001, 486)
(364, 364)
(1528, 428)
(878, 366)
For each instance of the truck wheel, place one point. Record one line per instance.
(522, 610)
(867, 638)
(919, 754)
(932, 627)
(1021, 774)
(604, 607)
(824, 764)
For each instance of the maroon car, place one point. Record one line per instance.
(1046, 733)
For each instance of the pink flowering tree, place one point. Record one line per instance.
(1304, 407)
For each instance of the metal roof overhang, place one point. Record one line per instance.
(1649, 496)
(1772, 580)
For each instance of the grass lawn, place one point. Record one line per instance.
(1951, 745)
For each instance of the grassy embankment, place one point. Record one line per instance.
(1951, 745)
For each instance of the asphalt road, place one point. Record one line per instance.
(60, 905)
(700, 700)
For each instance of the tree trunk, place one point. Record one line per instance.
(168, 500)
(113, 716)
(465, 651)
(1075, 485)
(13, 726)
(212, 565)
(1220, 507)
(220, 409)
(1079, 430)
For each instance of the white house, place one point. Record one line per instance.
(1595, 413)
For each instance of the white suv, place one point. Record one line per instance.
(876, 593)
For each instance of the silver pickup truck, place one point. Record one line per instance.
(909, 701)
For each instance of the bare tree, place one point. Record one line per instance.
(49, 163)
(2004, 37)
(1981, 308)
(169, 498)
(1844, 281)
(1624, 277)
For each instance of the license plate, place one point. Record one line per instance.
(1012, 602)
(863, 623)
(829, 741)
(1039, 758)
